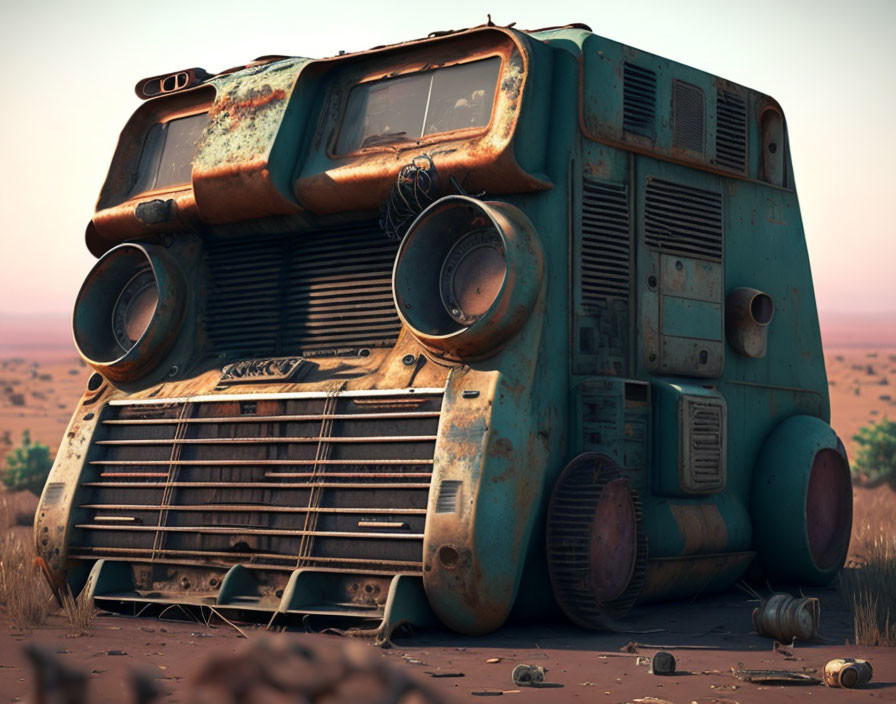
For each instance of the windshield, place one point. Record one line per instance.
(407, 108)
(167, 156)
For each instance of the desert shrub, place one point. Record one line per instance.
(875, 461)
(79, 610)
(24, 594)
(869, 589)
(28, 466)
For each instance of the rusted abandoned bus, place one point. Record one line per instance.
(487, 321)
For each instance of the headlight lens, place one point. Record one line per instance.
(134, 309)
(472, 275)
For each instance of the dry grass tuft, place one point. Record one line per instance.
(79, 610)
(869, 588)
(24, 594)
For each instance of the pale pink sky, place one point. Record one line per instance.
(69, 71)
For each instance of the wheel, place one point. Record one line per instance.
(597, 552)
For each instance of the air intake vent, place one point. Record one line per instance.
(688, 103)
(605, 254)
(448, 491)
(731, 131)
(301, 293)
(683, 220)
(639, 100)
(703, 447)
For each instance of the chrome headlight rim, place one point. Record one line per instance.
(96, 307)
(483, 334)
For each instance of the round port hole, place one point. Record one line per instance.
(449, 557)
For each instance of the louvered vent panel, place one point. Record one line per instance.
(703, 445)
(731, 131)
(683, 220)
(688, 101)
(639, 100)
(605, 261)
(447, 499)
(303, 292)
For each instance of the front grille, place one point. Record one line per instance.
(301, 293)
(278, 481)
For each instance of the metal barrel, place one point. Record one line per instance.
(784, 617)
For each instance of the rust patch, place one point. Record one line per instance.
(256, 99)
(702, 528)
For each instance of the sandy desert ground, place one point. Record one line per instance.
(39, 386)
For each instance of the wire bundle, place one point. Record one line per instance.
(416, 187)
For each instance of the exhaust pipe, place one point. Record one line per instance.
(748, 313)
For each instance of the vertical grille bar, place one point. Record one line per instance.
(324, 450)
(173, 472)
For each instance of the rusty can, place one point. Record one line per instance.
(663, 663)
(784, 618)
(847, 673)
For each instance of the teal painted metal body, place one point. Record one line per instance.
(647, 297)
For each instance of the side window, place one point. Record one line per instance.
(408, 108)
(167, 156)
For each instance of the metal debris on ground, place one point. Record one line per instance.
(663, 663)
(492, 661)
(634, 647)
(785, 618)
(774, 677)
(528, 675)
(642, 660)
(847, 673)
(649, 700)
(785, 651)
(487, 692)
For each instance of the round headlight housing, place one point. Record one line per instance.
(129, 311)
(467, 275)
